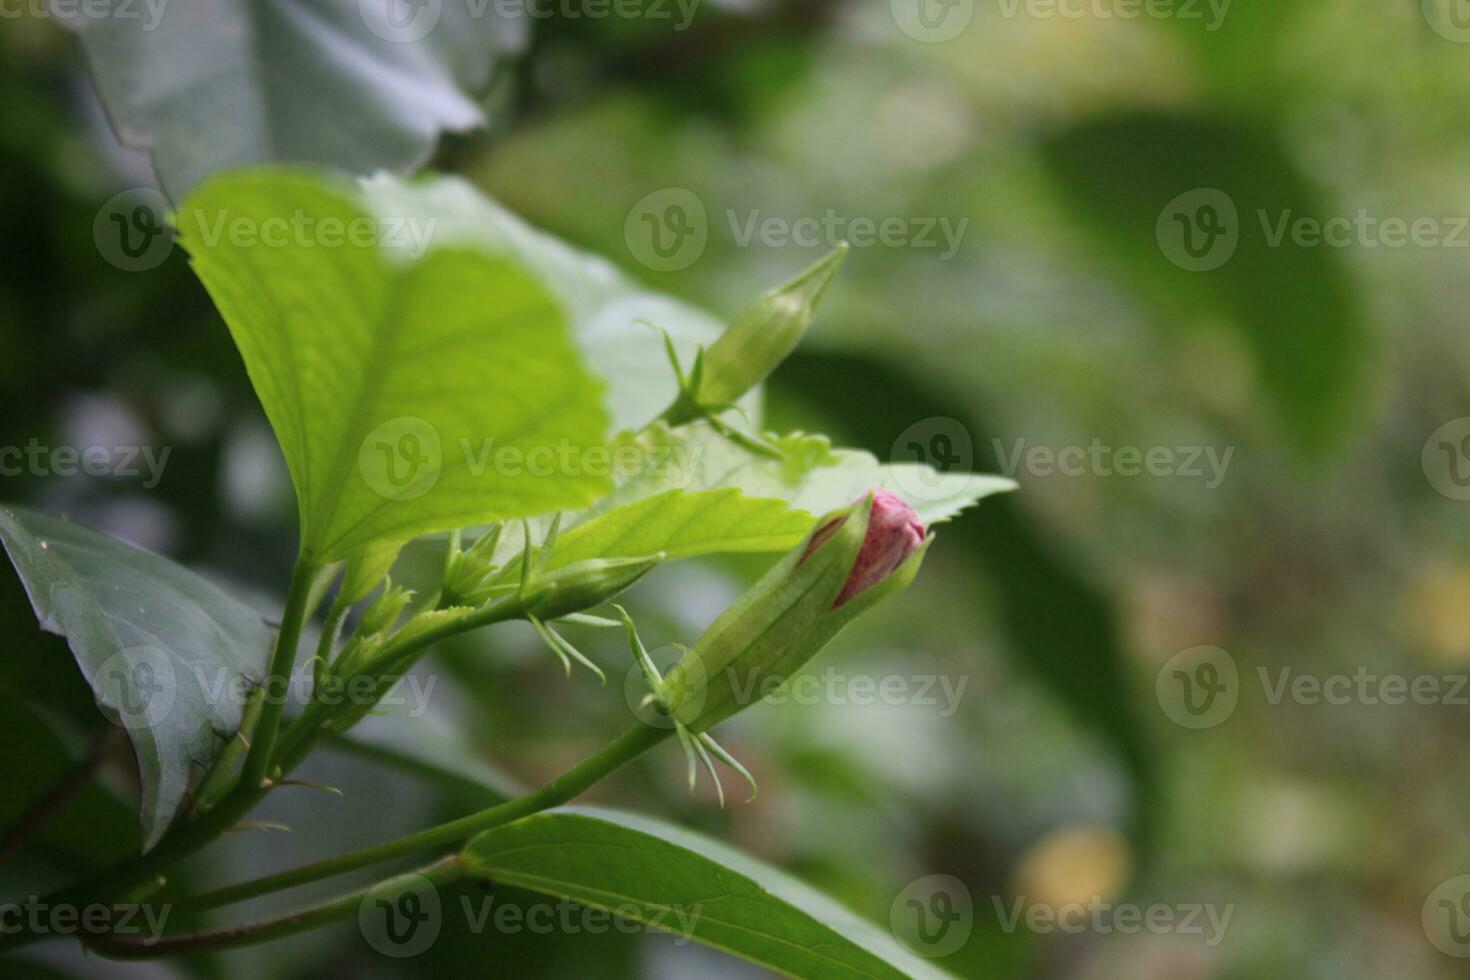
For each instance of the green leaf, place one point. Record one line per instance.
(696, 493)
(611, 317)
(208, 85)
(409, 395)
(811, 476)
(660, 874)
(167, 653)
(686, 525)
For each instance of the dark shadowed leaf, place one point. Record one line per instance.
(169, 655)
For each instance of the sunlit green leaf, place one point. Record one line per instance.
(409, 395)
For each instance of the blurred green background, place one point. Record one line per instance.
(1074, 154)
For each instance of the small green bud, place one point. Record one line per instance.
(584, 584)
(855, 558)
(470, 576)
(757, 342)
(365, 572)
(381, 616)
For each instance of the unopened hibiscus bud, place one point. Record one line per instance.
(853, 560)
(894, 533)
(584, 584)
(756, 342)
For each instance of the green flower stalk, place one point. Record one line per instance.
(854, 560)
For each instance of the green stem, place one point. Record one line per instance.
(219, 780)
(621, 750)
(441, 872)
(262, 747)
(396, 657)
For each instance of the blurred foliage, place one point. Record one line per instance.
(1055, 321)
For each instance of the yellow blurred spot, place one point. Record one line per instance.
(1439, 610)
(1075, 864)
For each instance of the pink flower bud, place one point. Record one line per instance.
(894, 533)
